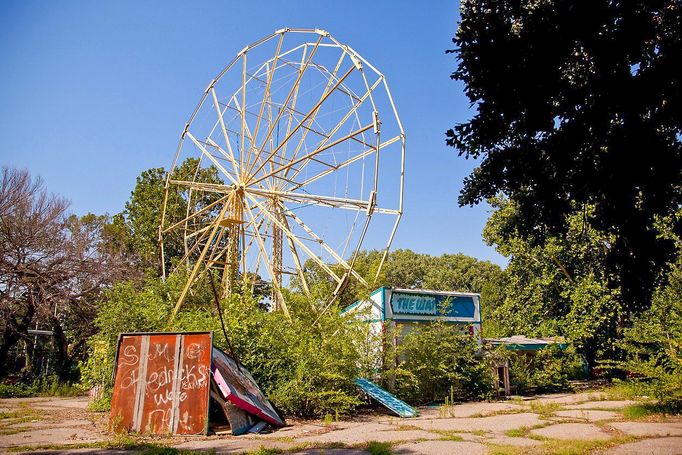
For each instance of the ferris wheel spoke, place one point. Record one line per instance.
(199, 262)
(206, 187)
(286, 102)
(194, 215)
(243, 113)
(331, 79)
(307, 116)
(227, 154)
(266, 94)
(309, 156)
(210, 156)
(295, 239)
(353, 111)
(324, 245)
(268, 263)
(242, 110)
(235, 166)
(322, 146)
(343, 164)
(257, 227)
(336, 202)
(297, 259)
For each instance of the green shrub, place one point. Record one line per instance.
(436, 362)
(16, 390)
(653, 347)
(547, 370)
(305, 366)
(47, 386)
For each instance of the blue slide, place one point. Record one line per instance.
(382, 396)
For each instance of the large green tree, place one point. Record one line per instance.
(577, 105)
(141, 218)
(559, 288)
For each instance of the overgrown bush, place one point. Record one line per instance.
(46, 386)
(653, 347)
(547, 370)
(436, 361)
(18, 390)
(305, 365)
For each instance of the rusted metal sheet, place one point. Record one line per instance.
(237, 386)
(195, 383)
(161, 383)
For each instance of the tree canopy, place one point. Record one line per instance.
(578, 104)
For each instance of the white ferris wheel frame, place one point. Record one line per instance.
(246, 174)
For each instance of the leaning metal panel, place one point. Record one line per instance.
(161, 383)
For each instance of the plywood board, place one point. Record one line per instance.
(237, 386)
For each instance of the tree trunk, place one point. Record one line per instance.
(14, 331)
(61, 351)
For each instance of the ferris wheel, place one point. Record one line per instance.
(297, 158)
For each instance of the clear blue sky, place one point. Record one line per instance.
(95, 92)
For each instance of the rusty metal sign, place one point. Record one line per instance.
(162, 383)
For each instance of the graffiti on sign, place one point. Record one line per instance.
(162, 383)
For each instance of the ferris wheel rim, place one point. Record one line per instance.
(246, 183)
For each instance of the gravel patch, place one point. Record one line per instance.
(583, 431)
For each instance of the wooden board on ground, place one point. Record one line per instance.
(161, 383)
(236, 385)
(384, 397)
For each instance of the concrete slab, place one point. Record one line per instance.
(50, 436)
(569, 398)
(300, 430)
(40, 424)
(479, 409)
(510, 441)
(649, 428)
(232, 445)
(657, 446)
(332, 452)
(499, 423)
(583, 431)
(55, 403)
(358, 436)
(605, 404)
(588, 414)
(90, 451)
(439, 448)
